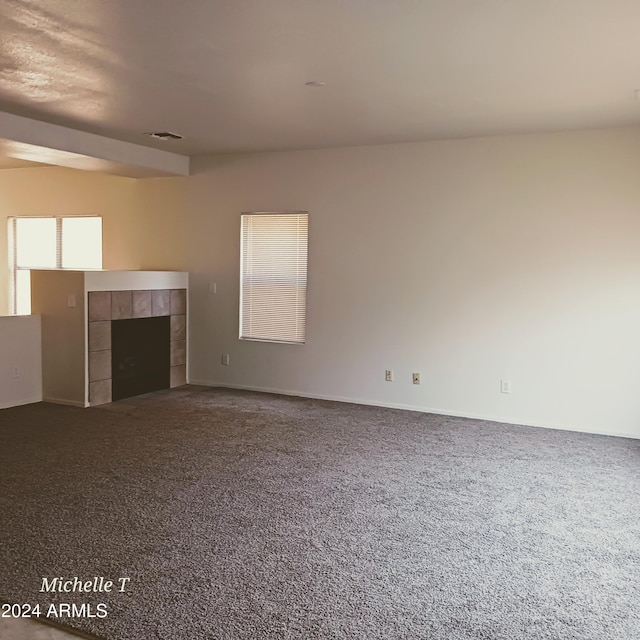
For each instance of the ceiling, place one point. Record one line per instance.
(229, 75)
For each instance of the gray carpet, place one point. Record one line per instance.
(243, 515)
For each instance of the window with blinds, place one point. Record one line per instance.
(273, 277)
(73, 242)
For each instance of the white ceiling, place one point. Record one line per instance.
(229, 75)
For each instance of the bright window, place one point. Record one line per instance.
(81, 240)
(273, 277)
(35, 243)
(50, 243)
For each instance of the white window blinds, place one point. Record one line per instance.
(273, 277)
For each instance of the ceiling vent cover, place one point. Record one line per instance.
(165, 135)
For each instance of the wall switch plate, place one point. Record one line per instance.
(505, 386)
(15, 372)
(388, 375)
(416, 378)
(71, 300)
(225, 359)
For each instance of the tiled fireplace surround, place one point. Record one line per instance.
(105, 306)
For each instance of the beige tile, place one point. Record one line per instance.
(178, 376)
(99, 365)
(161, 302)
(121, 305)
(142, 304)
(99, 392)
(99, 336)
(178, 301)
(178, 352)
(178, 328)
(99, 305)
(25, 629)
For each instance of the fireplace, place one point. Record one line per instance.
(137, 342)
(140, 356)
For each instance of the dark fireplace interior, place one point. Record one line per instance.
(140, 356)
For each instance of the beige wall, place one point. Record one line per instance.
(63, 334)
(58, 191)
(468, 261)
(161, 206)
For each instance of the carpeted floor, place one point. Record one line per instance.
(241, 515)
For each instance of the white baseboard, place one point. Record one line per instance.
(70, 403)
(421, 409)
(21, 401)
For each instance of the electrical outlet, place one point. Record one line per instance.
(388, 375)
(505, 386)
(225, 359)
(416, 378)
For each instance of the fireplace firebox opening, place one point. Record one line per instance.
(140, 356)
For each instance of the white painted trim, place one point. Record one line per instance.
(69, 403)
(420, 409)
(21, 401)
(108, 280)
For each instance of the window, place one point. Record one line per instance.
(50, 243)
(273, 276)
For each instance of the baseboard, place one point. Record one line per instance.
(21, 401)
(70, 403)
(420, 409)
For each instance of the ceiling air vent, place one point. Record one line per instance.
(165, 135)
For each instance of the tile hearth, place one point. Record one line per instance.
(28, 629)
